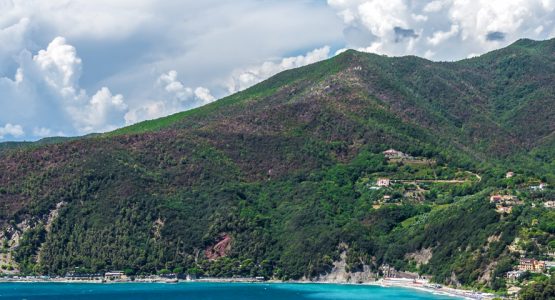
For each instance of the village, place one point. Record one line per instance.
(122, 277)
(416, 188)
(528, 265)
(414, 178)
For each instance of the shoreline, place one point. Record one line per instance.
(385, 283)
(409, 284)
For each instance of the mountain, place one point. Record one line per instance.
(279, 180)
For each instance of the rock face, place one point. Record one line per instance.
(421, 257)
(220, 249)
(339, 273)
(12, 236)
(10, 239)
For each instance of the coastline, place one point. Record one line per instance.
(420, 285)
(409, 284)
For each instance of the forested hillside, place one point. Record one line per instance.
(280, 179)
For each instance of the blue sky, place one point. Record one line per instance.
(75, 67)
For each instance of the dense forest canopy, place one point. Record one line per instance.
(285, 172)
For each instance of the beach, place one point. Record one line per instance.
(421, 285)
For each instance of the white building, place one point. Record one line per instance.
(385, 182)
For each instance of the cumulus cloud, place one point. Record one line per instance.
(45, 94)
(246, 77)
(42, 132)
(51, 90)
(204, 95)
(444, 30)
(439, 37)
(11, 130)
(176, 97)
(13, 36)
(433, 6)
(60, 65)
(103, 112)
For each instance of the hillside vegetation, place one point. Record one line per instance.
(285, 171)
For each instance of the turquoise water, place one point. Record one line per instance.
(207, 291)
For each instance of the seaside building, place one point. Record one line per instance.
(531, 265)
(114, 275)
(388, 271)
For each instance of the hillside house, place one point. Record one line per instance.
(549, 264)
(504, 203)
(394, 154)
(513, 275)
(539, 187)
(531, 265)
(509, 174)
(505, 199)
(549, 204)
(504, 209)
(495, 198)
(383, 182)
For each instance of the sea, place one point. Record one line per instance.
(209, 291)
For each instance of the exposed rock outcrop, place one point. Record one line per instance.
(220, 249)
(421, 257)
(339, 273)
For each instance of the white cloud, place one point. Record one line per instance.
(148, 111)
(42, 132)
(177, 97)
(103, 112)
(60, 65)
(11, 130)
(381, 17)
(204, 95)
(46, 96)
(439, 37)
(13, 38)
(246, 77)
(479, 18)
(444, 30)
(129, 44)
(73, 17)
(171, 84)
(433, 6)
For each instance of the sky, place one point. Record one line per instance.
(75, 67)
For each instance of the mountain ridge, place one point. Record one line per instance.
(287, 171)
